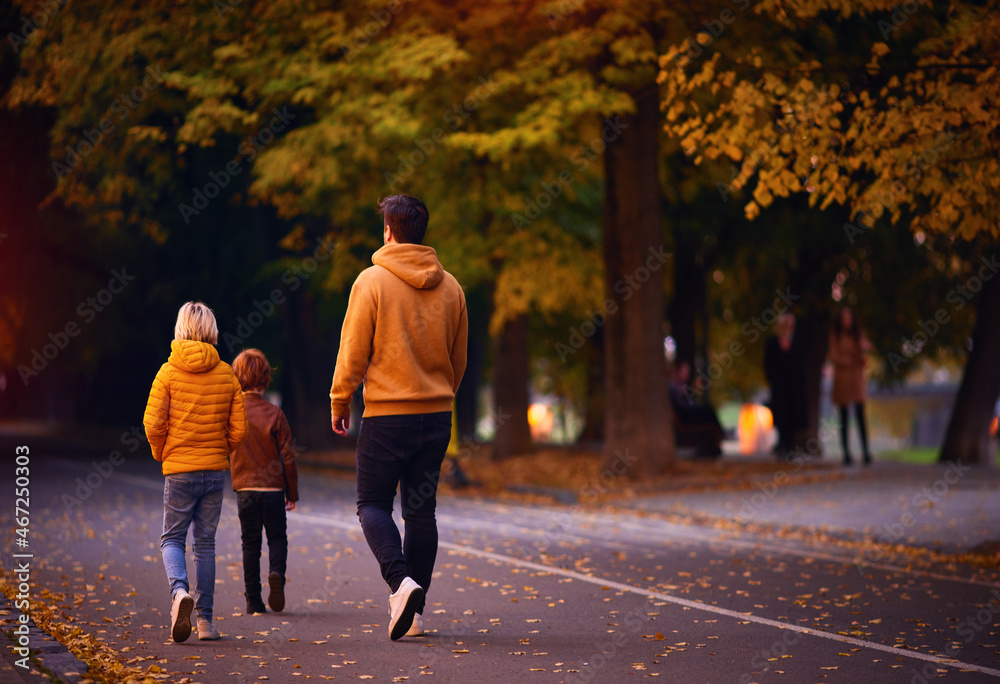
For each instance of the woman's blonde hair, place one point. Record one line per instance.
(195, 321)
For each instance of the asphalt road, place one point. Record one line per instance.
(520, 593)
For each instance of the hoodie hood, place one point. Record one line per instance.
(417, 265)
(192, 356)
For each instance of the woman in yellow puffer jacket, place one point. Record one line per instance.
(194, 419)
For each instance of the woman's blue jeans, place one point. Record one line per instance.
(404, 450)
(192, 499)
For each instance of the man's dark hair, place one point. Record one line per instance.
(406, 217)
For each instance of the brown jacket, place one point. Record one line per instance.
(265, 458)
(848, 358)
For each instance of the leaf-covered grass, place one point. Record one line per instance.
(585, 476)
(582, 475)
(920, 455)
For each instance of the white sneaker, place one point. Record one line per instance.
(180, 616)
(207, 631)
(403, 606)
(417, 628)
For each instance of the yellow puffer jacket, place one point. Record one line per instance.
(194, 416)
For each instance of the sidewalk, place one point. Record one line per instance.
(53, 658)
(950, 508)
(947, 507)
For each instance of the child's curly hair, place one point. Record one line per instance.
(252, 370)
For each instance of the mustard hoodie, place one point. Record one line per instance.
(405, 335)
(195, 415)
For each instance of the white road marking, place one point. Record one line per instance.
(696, 605)
(602, 521)
(708, 537)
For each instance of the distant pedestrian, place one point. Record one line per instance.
(697, 424)
(848, 352)
(194, 419)
(405, 335)
(784, 366)
(266, 483)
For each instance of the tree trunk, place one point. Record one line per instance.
(510, 389)
(967, 437)
(595, 406)
(467, 396)
(684, 309)
(308, 373)
(814, 331)
(639, 436)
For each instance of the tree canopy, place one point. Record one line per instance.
(553, 140)
(899, 121)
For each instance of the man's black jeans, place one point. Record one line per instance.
(257, 510)
(404, 450)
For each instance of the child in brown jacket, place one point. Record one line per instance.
(265, 481)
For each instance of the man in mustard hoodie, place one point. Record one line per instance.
(405, 336)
